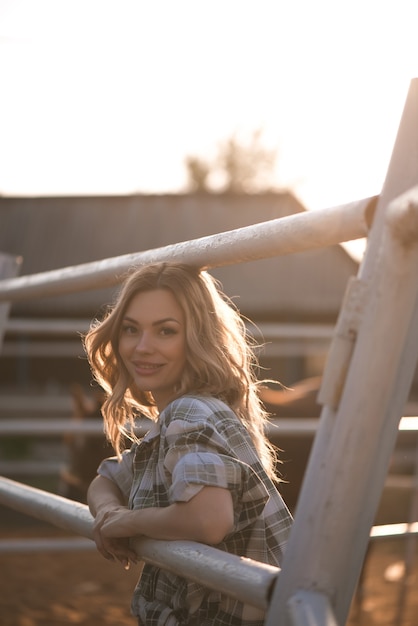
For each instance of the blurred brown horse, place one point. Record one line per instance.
(85, 452)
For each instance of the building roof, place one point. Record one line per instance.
(51, 233)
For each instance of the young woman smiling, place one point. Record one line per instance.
(175, 349)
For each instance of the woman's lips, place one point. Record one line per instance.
(146, 368)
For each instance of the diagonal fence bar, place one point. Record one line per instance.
(402, 175)
(246, 580)
(286, 235)
(343, 496)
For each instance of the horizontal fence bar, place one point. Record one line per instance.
(48, 327)
(45, 544)
(46, 338)
(387, 531)
(52, 427)
(28, 349)
(33, 403)
(287, 235)
(51, 327)
(243, 579)
(24, 468)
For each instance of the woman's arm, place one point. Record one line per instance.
(103, 494)
(207, 517)
(104, 497)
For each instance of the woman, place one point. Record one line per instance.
(175, 349)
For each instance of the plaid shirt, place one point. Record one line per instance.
(200, 441)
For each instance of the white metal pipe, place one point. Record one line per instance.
(30, 468)
(52, 427)
(46, 327)
(402, 175)
(68, 327)
(45, 544)
(334, 516)
(35, 403)
(394, 530)
(243, 579)
(73, 349)
(57, 426)
(275, 339)
(66, 514)
(294, 233)
(311, 608)
(22, 348)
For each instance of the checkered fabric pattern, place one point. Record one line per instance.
(199, 441)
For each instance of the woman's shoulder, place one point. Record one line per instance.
(203, 418)
(194, 407)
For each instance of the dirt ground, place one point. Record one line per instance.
(80, 587)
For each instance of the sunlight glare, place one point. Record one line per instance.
(114, 102)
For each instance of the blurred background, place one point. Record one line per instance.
(107, 97)
(128, 125)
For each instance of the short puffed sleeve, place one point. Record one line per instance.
(200, 451)
(119, 471)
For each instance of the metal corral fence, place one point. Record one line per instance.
(365, 386)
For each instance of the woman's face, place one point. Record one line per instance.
(152, 343)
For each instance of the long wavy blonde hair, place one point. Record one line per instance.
(220, 360)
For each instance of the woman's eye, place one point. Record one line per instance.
(168, 331)
(128, 329)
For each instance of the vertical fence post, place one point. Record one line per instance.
(333, 520)
(337, 505)
(9, 268)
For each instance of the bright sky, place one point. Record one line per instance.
(109, 96)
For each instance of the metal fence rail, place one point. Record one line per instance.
(366, 383)
(52, 427)
(243, 579)
(286, 235)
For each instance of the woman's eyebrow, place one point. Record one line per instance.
(156, 323)
(164, 320)
(129, 319)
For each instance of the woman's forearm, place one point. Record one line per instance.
(104, 498)
(103, 494)
(175, 522)
(208, 517)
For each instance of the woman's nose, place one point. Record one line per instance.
(144, 343)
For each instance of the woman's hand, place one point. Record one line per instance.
(104, 498)
(111, 534)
